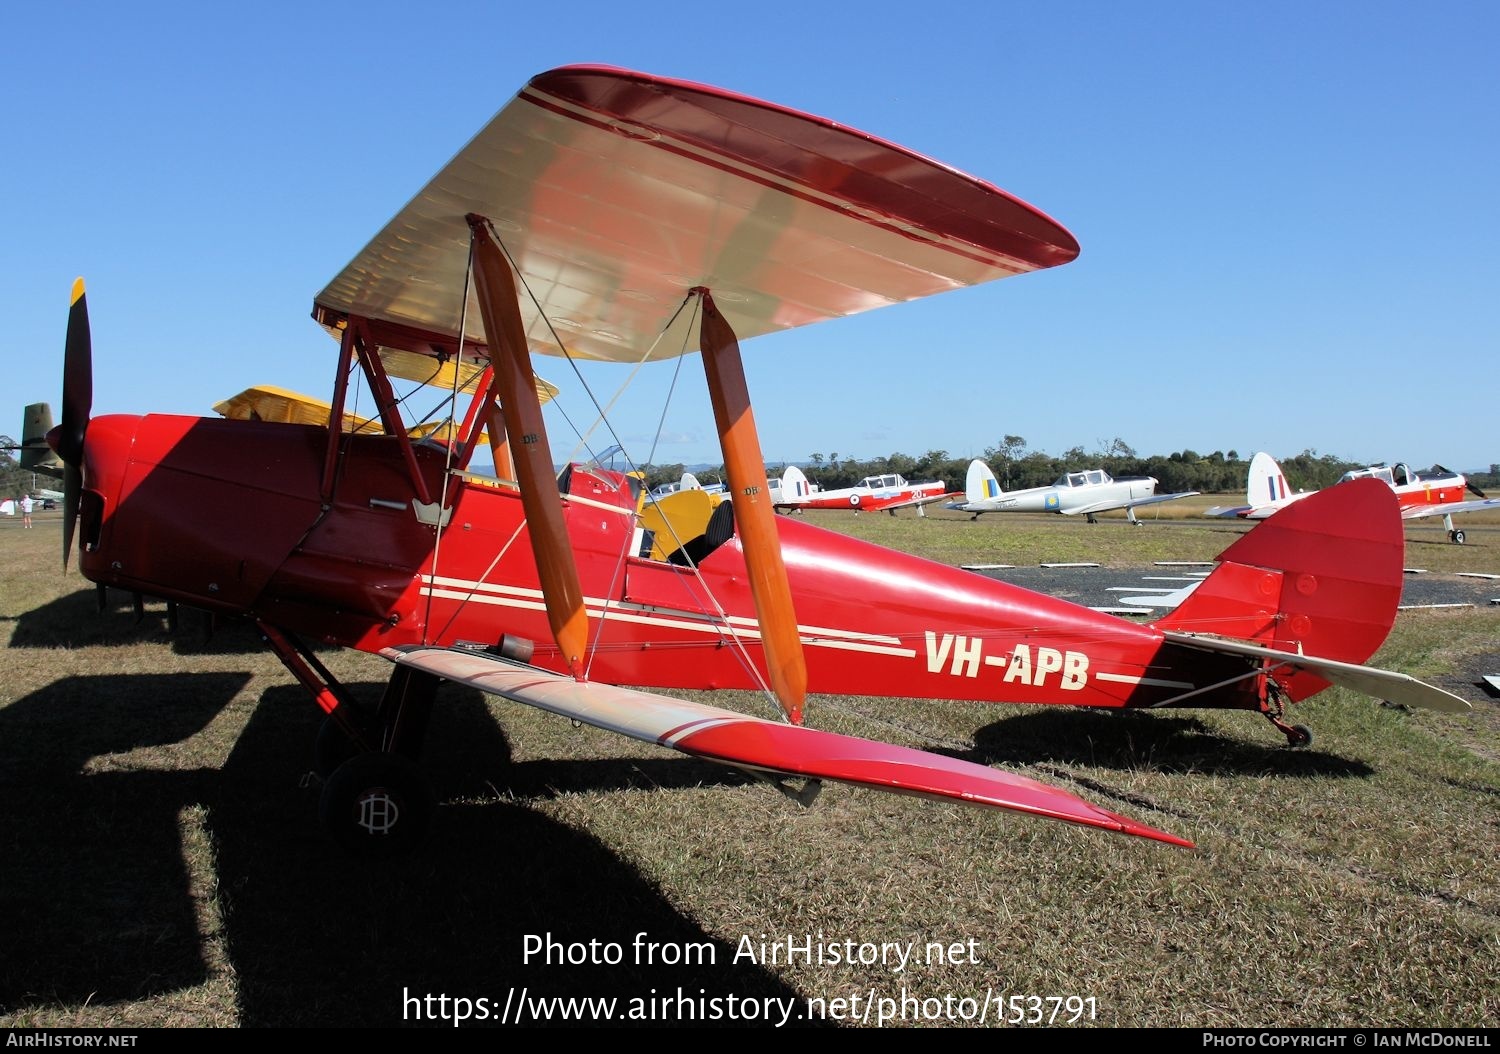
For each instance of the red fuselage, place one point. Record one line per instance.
(226, 515)
(1434, 492)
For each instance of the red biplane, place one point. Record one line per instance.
(612, 215)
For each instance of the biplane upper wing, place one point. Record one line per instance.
(448, 375)
(759, 745)
(266, 402)
(617, 193)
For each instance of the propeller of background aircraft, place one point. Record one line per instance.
(1467, 485)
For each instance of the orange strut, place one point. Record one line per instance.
(527, 436)
(500, 443)
(754, 515)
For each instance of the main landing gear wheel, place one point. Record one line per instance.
(377, 805)
(1456, 536)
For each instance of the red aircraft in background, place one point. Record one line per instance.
(615, 215)
(887, 493)
(1431, 492)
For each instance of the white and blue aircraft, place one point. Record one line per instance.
(1085, 493)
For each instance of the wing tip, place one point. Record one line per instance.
(1141, 830)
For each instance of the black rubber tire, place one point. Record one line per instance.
(1457, 536)
(1304, 738)
(377, 806)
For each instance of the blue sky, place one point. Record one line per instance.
(1287, 210)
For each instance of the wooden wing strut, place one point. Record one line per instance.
(530, 451)
(754, 515)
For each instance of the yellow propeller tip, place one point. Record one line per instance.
(77, 290)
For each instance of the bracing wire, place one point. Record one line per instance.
(602, 418)
(437, 545)
(726, 630)
(666, 403)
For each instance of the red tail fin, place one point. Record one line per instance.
(1322, 576)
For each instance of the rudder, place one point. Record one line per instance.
(794, 485)
(1266, 483)
(1322, 577)
(36, 455)
(980, 484)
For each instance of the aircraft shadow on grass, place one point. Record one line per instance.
(1156, 741)
(100, 905)
(76, 621)
(93, 887)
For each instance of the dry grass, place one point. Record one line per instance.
(161, 863)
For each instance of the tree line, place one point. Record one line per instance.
(1013, 463)
(1017, 468)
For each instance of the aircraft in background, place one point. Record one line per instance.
(532, 586)
(1086, 493)
(34, 453)
(1266, 491)
(883, 493)
(1434, 491)
(687, 482)
(1421, 494)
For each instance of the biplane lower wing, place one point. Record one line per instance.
(763, 746)
(1382, 684)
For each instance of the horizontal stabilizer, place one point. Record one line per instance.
(1382, 684)
(764, 746)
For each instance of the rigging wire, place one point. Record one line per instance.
(630, 379)
(468, 596)
(630, 538)
(437, 544)
(726, 631)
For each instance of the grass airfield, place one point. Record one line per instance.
(161, 863)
